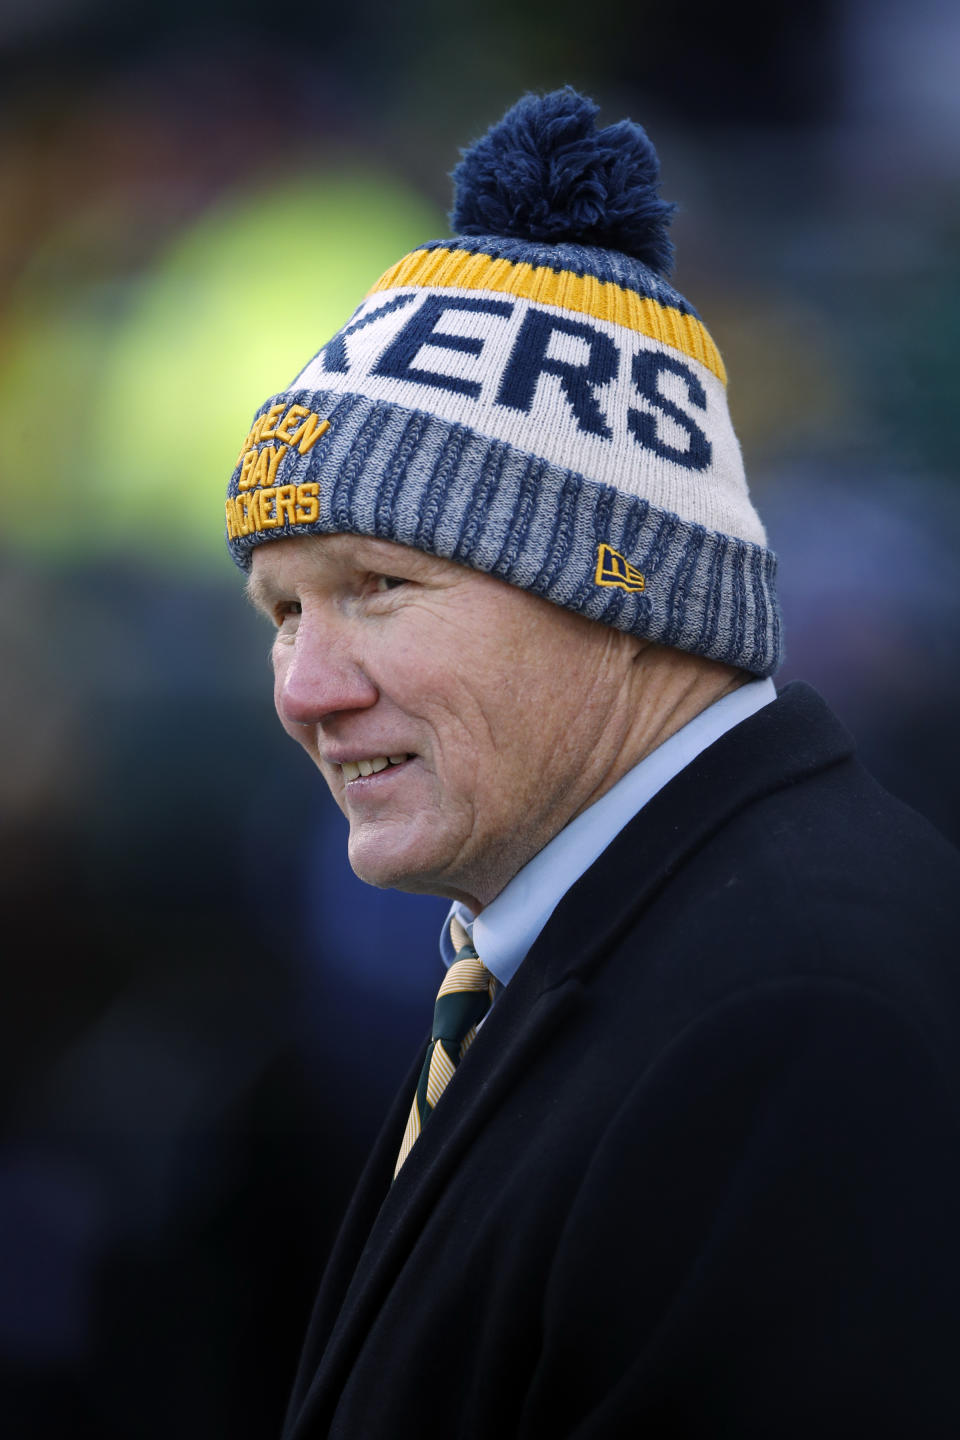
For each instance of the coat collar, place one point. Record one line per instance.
(793, 738)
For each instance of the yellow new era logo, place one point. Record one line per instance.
(615, 569)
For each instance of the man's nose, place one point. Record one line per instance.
(319, 675)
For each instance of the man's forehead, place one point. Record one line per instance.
(277, 561)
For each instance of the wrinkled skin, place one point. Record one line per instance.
(513, 713)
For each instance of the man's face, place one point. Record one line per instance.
(489, 716)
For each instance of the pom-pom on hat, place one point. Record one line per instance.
(532, 398)
(547, 173)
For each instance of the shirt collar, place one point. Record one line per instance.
(505, 930)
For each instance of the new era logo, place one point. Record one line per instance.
(615, 569)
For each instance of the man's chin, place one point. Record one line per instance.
(388, 870)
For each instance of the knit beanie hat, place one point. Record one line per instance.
(531, 398)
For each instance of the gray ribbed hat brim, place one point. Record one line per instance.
(411, 477)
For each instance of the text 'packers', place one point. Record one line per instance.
(274, 505)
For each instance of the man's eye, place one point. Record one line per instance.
(287, 611)
(383, 583)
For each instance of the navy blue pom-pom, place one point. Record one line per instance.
(545, 172)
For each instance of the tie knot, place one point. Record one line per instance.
(463, 1000)
(467, 973)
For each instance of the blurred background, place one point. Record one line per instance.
(193, 197)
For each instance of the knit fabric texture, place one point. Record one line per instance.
(553, 414)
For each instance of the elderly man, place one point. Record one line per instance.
(681, 1155)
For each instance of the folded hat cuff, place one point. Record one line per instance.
(408, 476)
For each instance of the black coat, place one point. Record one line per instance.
(699, 1175)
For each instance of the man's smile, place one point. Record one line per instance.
(354, 770)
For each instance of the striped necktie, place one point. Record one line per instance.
(462, 1001)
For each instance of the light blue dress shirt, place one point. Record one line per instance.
(505, 929)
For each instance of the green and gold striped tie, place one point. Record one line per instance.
(462, 1001)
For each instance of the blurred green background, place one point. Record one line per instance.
(193, 198)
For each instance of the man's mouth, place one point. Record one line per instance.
(360, 769)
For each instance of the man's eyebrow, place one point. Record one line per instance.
(386, 562)
(379, 554)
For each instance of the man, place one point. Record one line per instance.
(681, 1157)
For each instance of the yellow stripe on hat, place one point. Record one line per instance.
(584, 294)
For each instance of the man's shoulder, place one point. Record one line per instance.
(834, 837)
(783, 809)
(830, 877)
(774, 859)
(819, 842)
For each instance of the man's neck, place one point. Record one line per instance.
(668, 688)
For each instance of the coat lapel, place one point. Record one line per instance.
(394, 1214)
